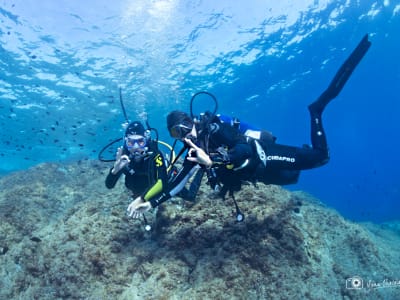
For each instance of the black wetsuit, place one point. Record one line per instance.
(261, 160)
(147, 177)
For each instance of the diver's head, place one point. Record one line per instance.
(180, 125)
(136, 139)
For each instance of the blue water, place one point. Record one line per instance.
(62, 64)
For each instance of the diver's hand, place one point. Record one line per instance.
(143, 207)
(138, 207)
(131, 210)
(196, 154)
(120, 161)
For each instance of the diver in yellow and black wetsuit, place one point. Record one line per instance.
(142, 163)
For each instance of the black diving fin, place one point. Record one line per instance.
(341, 77)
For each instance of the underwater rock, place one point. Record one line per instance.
(290, 246)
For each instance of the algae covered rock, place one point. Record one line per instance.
(63, 235)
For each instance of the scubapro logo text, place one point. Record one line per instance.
(283, 158)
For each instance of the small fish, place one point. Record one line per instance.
(35, 239)
(3, 250)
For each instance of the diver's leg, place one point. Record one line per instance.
(190, 194)
(288, 158)
(279, 177)
(282, 157)
(318, 138)
(195, 184)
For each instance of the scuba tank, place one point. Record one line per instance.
(248, 130)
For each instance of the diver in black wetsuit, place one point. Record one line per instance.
(230, 158)
(281, 164)
(141, 162)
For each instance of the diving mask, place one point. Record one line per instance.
(135, 142)
(180, 131)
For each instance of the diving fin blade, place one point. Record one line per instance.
(341, 77)
(349, 66)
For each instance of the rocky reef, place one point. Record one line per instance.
(63, 235)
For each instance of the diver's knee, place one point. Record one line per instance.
(324, 160)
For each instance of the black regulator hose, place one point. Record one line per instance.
(152, 129)
(206, 93)
(100, 157)
(122, 105)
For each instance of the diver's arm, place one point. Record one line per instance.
(234, 148)
(121, 161)
(111, 179)
(177, 184)
(139, 205)
(163, 190)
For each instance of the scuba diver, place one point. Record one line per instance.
(139, 158)
(189, 167)
(142, 163)
(230, 157)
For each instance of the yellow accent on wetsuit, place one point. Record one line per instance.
(158, 161)
(230, 166)
(171, 149)
(155, 190)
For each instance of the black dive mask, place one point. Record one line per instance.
(180, 131)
